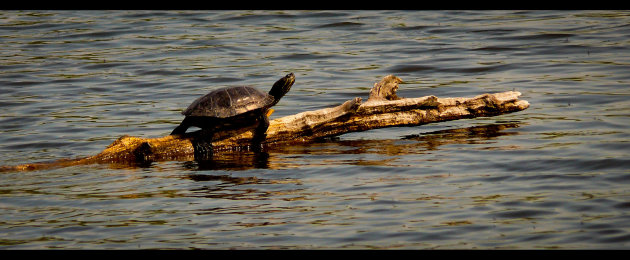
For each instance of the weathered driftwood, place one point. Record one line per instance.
(383, 109)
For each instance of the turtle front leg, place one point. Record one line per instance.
(261, 131)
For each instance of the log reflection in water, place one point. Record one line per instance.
(410, 144)
(236, 186)
(298, 156)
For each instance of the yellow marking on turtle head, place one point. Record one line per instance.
(269, 112)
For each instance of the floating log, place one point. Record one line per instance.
(382, 109)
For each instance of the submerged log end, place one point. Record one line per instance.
(131, 148)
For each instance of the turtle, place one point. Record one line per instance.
(233, 107)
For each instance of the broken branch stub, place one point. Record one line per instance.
(385, 89)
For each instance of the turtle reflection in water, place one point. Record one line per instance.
(232, 107)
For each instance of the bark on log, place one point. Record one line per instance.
(383, 109)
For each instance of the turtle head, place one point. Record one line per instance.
(281, 87)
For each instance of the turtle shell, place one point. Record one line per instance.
(229, 102)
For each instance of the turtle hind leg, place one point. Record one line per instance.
(202, 145)
(182, 127)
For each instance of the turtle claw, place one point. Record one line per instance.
(203, 150)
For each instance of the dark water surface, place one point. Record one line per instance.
(556, 175)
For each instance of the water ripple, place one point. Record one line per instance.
(552, 176)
